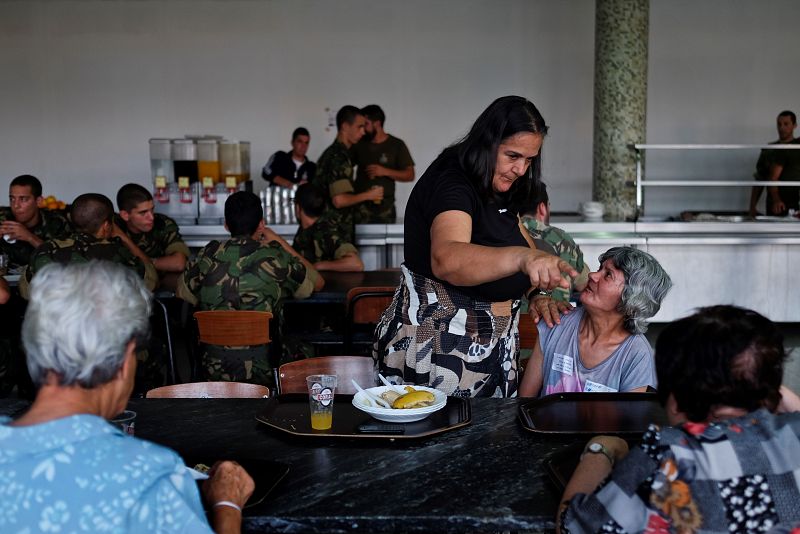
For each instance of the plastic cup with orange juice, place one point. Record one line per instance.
(320, 400)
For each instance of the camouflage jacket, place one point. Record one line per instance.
(81, 248)
(323, 240)
(557, 242)
(53, 224)
(164, 239)
(243, 274)
(335, 176)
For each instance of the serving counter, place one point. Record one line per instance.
(750, 264)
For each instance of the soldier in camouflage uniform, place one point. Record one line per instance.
(319, 237)
(334, 177)
(254, 270)
(155, 235)
(92, 216)
(23, 225)
(382, 159)
(555, 241)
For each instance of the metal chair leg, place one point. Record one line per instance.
(171, 369)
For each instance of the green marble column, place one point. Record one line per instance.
(620, 101)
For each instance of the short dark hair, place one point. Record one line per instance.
(374, 113)
(131, 195)
(347, 115)
(477, 151)
(243, 212)
(720, 356)
(537, 196)
(89, 211)
(790, 114)
(30, 181)
(300, 131)
(310, 200)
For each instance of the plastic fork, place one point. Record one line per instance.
(377, 400)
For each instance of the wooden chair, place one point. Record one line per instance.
(233, 328)
(292, 375)
(210, 390)
(364, 308)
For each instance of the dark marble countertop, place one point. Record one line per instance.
(487, 477)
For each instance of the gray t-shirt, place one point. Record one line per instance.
(629, 367)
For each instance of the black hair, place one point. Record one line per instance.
(477, 151)
(374, 113)
(89, 211)
(720, 356)
(300, 131)
(347, 115)
(243, 213)
(310, 200)
(131, 195)
(790, 114)
(30, 181)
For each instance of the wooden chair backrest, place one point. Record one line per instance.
(211, 390)
(232, 327)
(292, 375)
(528, 333)
(366, 304)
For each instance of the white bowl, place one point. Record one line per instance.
(391, 415)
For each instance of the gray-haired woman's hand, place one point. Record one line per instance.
(545, 270)
(228, 482)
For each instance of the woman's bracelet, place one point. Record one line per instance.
(229, 504)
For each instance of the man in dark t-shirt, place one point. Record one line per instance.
(287, 169)
(789, 165)
(382, 159)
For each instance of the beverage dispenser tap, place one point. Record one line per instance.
(184, 190)
(209, 190)
(230, 184)
(162, 191)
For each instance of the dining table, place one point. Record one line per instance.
(337, 284)
(487, 476)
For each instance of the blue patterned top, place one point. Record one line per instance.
(81, 474)
(737, 475)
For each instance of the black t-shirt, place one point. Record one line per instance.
(281, 164)
(445, 187)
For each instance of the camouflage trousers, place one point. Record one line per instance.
(239, 364)
(436, 336)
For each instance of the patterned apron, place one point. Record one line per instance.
(435, 335)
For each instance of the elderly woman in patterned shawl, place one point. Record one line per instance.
(70, 469)
(453, 321)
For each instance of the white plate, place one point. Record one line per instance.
(391, 415)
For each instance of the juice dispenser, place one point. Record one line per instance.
(230, 160)
(208, 168)
(184, 160)
(161, 170)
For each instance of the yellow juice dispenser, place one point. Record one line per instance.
(230, 161)
(208, 168)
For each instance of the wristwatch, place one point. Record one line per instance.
(598, 448)
(536, 292)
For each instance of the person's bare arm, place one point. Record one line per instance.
(345, 200)
(531, 383)
(457, 261)
(591, 471)
(5, 291)
(281, 181)
(228, 483)
(398, 175)
(348, 263)
(778, 207)
(171, 263)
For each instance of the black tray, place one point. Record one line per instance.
(592, 413)
(266, 475)
(289, 414)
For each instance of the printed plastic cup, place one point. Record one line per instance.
(125, 421)
(320, 400)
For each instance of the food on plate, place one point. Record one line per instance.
(390, 396)
(414, 399)
(203, 468)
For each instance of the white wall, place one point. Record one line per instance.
(86, 83)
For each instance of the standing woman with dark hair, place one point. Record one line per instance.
(453, 322)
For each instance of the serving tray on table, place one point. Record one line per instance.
(289, 414)
(621, 414)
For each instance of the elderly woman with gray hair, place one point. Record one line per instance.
(69, 469)
(600, 347)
